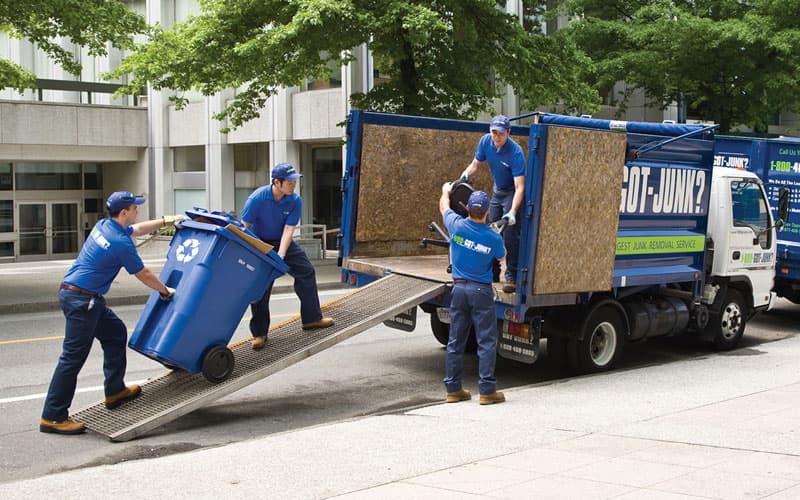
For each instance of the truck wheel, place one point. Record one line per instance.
(441, 331)
(218, 364)
(728, 324)
(599, 345)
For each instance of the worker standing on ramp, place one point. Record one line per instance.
(473, 249)
(273, 212)
(108, 248)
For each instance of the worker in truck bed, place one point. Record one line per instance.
(273, 212)
(473, 250)
(108, 248)
(507, 163)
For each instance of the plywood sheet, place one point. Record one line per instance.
(402, 172)
(580, 211)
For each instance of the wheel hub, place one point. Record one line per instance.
(731, 321)
(603, 343)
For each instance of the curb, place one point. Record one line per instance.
(53, 305)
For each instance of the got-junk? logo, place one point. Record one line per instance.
(187, 250)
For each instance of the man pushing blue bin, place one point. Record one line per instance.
(217, 268)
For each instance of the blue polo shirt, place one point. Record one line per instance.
(473, 248)
(108, 249)
(506, 164)
(267, 216)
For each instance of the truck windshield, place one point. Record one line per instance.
(750, 209)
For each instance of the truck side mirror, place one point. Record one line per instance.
(783, 207)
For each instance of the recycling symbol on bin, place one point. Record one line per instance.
(187, 250)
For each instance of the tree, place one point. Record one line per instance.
(729, 61)
(89, 23)
(440, 56)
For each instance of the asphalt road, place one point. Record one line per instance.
(382, 370)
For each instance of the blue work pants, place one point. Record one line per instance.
(305, 286)
(88, 318)
(472, 304)
(499, 206)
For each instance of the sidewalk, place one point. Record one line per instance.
(678, 430)
(33, 286)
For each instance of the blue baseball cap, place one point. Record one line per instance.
(122, 199)
(500, 123)
(285, 172)
(479, 200)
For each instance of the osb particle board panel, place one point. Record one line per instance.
(580, 211)
(402, 172)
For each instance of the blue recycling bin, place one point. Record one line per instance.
(216, 272)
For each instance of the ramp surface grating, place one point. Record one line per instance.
(177, 393)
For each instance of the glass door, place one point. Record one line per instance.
(48, 230)
(64, 224)
(33, 230)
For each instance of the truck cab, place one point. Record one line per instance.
(742, 247)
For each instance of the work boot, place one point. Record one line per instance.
(510, 287)
(258, 343)
(130, 392)
(63, 427)
(459, 395)
(323, 323)
(490, 399)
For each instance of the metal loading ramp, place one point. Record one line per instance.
(176, 393)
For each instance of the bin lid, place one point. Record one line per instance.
(215, 217)
(232, 227)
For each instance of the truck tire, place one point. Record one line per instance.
(441, 331)
(727, 325)
(598, 347)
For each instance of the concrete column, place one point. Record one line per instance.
(220, 184)
(159, 157)
(283, 148)
(510, 101)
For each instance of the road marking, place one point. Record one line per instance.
(42, 395)
(37, 339)
(61, 337)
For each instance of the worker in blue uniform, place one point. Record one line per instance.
(273, 212)
(507, 163)
(473, 249)
(108, 249)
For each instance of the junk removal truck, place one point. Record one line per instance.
(627, 231)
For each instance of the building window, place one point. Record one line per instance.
(92, 176)
(333, 78)
(6, 216)
(189, 159)
(93, 206)
(6, 179)
(327, 175)
(47, 176)
(6, 249)
(187, 199)
(251, 170)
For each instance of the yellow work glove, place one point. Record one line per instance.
(167, 296)
(171, 220)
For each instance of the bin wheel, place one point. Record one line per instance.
(218, 364)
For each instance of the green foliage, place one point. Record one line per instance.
(440, 57)
(89, 23)
(731, 62)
